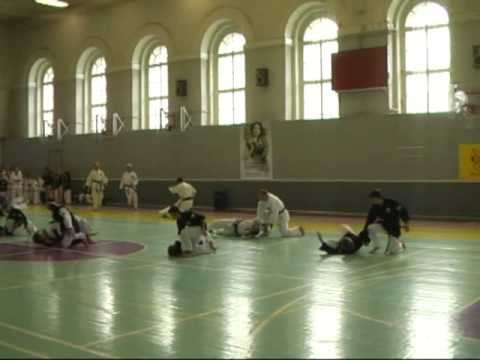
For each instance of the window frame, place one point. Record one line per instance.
(399, 53)
(89, 126)
(41, 122)
(302, 83)
(217, 92)
(146, 99)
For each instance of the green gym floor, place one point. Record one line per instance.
(266, 298)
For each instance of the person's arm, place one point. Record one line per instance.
(105, 179)
(136, 180)
(122, 182)
(67, 219)
(261, 212)
(88, 182)
(404, 216)
(371, 217)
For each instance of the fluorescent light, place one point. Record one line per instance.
(54, 3)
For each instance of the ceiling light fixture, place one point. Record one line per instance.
(54, 3)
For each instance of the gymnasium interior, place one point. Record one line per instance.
(346, 96)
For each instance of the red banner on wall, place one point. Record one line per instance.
(360, 69)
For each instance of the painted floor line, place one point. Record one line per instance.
(76, 277)
(54, 340)
(191, 317)
(23, 350)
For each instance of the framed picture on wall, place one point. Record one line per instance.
(256, 151)
(476, 56)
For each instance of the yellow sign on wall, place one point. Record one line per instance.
(470, 162)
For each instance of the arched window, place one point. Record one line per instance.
(41, 99)
(47, 102)
(98, 95)
(317, 96)
(223, 74)
(157, 88)
(231, 80)
(91, 92)
(427, 59)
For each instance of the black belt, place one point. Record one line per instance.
(282, 211)
(187, 199)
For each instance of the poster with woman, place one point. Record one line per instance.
(256, 151)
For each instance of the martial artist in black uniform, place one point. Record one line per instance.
(386, 215)
(349, 244)
(194, 237)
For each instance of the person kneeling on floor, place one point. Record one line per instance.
(73, 229)
(16, 219)
(194, 237)
(350, 243)
(387, 216)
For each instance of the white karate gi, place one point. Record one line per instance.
(129, 184)
(97, 181)
(273, 212)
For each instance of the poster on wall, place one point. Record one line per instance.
(256, 151)
(470, 162)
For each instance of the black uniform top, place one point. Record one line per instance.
(18, 217)
(190, 219)
(388, 215)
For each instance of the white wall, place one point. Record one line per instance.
(303, 150)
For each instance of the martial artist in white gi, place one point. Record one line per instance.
(16, 219)
(96, 182)
(186, 195)
(272, 211)
(245, 228)
(129, 184)
(16, 183)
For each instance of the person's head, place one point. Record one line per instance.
(376, 197)
(179, 180)
(129, 167)
(174, 212)
(256, 227)
(40, 237)
(175, 250)
(53, 206)
(257, 130)
(262, 195)
(345, 245)
(96, 166)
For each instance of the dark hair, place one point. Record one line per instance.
(262, 128)
(179, 180)
(376, 194)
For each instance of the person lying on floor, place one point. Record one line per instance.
(15, 219)
(349, 243)
(72, 228)
(245, 228)
(194, 237)
(52, 237)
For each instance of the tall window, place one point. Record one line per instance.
(157, 88)
(319, 44)
(427, 59)
(41, 99)
(47, 103)
(231, 80)
(98, 95)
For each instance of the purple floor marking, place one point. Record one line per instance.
(469, 321)
(102, 249)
